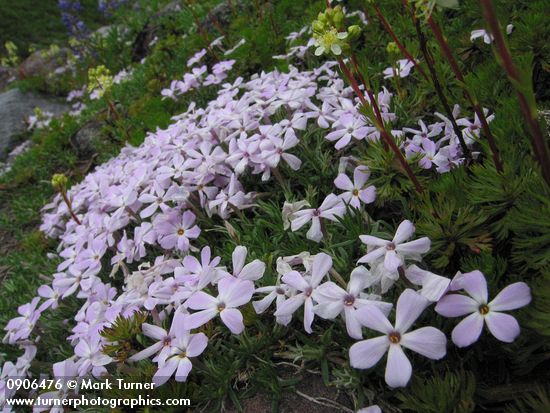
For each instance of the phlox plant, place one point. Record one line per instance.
(136, 236)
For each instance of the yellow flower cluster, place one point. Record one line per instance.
(99, 80)
(329, 33)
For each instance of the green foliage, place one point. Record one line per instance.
(38, 24)
(451, 392)
(539, 319)
(476, 218)
(538, 401)
(122, 335)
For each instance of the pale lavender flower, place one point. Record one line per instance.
(252, 271)
(51, 295)
(433, 286)
(356, 191)
(19, 328)
(487, 37)
(331, 208)
(274, 149)
(396, 250)
(427, 341)
(278, 293)
(503, 326)
(63, 371)
(176, 360)
(198, 274)
(164, 338)
(429, 150)
(91, 356)
(403, 69)
(159, 198)
(333, 300)
(176, 230)
(371, 409)
(196, 58)
(232, 293)
(306, 285)
(348, 126)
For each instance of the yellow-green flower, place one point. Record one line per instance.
(59, 182)
(330, 41)
(99, 80)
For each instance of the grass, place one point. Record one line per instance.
(38, 23)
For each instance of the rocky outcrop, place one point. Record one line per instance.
(83, 140)
(15, 107)
(7, 74)
(43, 62)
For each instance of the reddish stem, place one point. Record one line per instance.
(380, 125)
(458, 73)
(438, 89)
(69, 206)
(528, 110)
(402, 48)
(203, 34)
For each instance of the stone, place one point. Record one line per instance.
(82, 140)
(172, 7)
(221, 15)
(15, 107)
(7, 74)
(43, 62)
(104, 31)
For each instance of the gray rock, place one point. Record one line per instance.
(221, 15)
(545, 114)
(6, 75)
(43, 62)
(15, 107)
(82, 140)
(104, 31)
(172, 7)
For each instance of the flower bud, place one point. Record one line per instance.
(338, 17)
(59, 182)
(317, 26)
(353, 32)
(392, 48)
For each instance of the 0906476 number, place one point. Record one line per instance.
(34, 384)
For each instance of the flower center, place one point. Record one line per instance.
(181, 231)
(483, 309)
(167, 341)
(328, 38)
(355, 192)
(349, 300)
(280, 291)
(316, 213)
(221, 306)
(308, 291)
(394, 337)
(390, 246)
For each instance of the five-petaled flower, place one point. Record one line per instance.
(503, 326)
(396, 250)
(428, 341)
